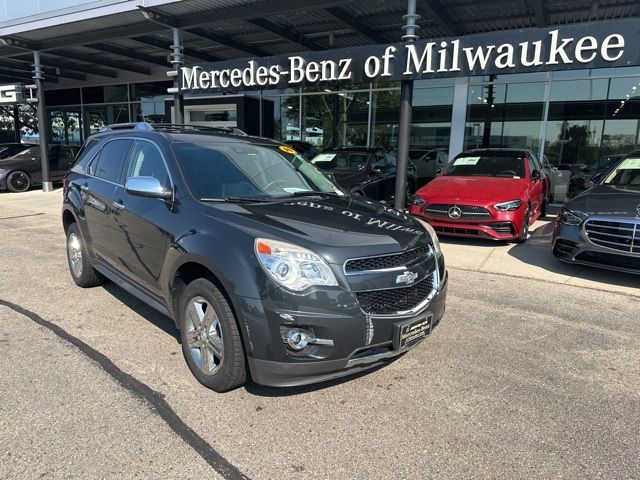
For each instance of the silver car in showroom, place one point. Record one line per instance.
(601, 226)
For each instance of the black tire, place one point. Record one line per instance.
(18, 181)
(85, 276)
(524, 232)
(231, 370)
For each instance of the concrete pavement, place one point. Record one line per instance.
(524, 378)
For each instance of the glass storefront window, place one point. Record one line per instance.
(286, 117)
(150, 110)
(335, 120)
(116, 93)
(140, 91)
(97, 116)
(505, 115)
(65, 126)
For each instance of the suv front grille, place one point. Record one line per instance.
(393, 300)
(387, 261)
(467, 212)
(617, 234)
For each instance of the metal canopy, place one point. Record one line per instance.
(135, 43)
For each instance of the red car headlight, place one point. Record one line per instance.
(509, 206)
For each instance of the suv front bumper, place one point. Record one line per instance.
(273, 365)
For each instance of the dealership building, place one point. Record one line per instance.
(560, 78)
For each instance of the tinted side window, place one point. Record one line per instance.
(146, 161)
(391, 159)
(532, 165)
(86, 151)
(379, 161)
(108, 164)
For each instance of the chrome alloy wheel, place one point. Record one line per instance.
(74, 253)
(204, 335)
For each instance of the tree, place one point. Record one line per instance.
(27, 114)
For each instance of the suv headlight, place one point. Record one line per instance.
(569, 218)
(509, 206)
(416, 200)
(293, 267)
(432, 233)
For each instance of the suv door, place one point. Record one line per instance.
(97, 188)
(141, 236)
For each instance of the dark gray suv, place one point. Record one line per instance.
(267, 267)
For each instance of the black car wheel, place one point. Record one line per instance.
(80, 266)
(524, 232)
(211, 342)
(18, 181)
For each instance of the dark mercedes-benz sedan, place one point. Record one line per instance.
(601, 226)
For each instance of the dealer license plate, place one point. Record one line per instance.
(409, 333)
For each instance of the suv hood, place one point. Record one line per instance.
(621, 201)
(473, 189)
(334, 227)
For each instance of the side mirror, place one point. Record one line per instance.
(149, 187)
(535, 175)
(438, 172)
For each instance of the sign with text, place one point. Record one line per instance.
(581, 46)
(11, 94)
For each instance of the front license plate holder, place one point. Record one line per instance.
(412, 331)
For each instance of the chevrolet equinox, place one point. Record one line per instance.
(268, 268)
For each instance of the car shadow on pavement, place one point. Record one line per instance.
(154, 317)
(536, 251)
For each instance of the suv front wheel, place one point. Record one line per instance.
(210, 337)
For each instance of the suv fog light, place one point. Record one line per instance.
(298, 338)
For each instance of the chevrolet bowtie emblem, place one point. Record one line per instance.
(407, 278)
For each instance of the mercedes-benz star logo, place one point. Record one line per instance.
(455, 213)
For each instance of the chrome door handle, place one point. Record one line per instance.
(118, 206)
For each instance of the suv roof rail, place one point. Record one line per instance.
(198, 128)
(127, 126)
(170, 127)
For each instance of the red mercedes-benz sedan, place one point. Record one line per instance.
(485, 193)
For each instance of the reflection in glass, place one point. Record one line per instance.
(286, 117)
(334, 120)
(505, 115)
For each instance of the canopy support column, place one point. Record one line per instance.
(43, 133)
(406, 99)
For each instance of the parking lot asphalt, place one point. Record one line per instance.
(525, 377)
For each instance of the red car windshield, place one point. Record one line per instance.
(492, 165)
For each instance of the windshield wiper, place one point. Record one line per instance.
(237, 200)
(306, 193)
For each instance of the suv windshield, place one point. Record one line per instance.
(492, 165)
(626, 173)
(341, 161)
(217, 170)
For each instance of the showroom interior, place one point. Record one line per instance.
(107, 64)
